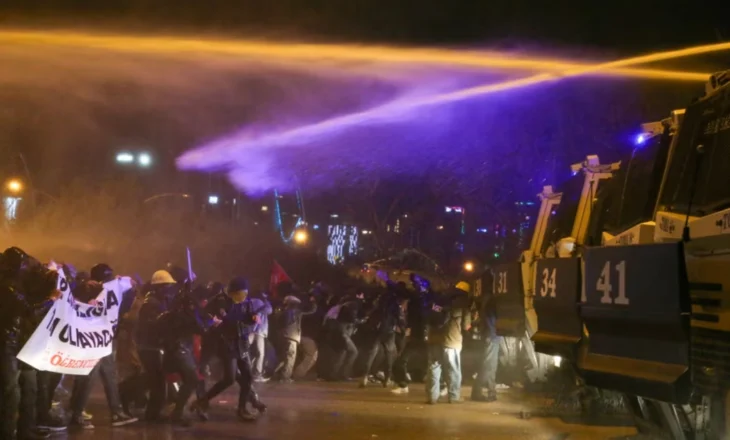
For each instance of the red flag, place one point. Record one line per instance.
(277, 276)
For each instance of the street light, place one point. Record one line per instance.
(125, 158)
(301, 236)
(144, 159)
(469, 266)
(212, 199)
(15, 186)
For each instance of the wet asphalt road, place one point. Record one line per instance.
(342, 411)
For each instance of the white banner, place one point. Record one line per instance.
(74, 336)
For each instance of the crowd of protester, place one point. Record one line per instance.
(173, 333)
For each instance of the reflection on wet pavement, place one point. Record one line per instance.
(342, 411)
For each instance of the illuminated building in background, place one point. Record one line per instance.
(11, 208)
(526, 215)
(343, 242)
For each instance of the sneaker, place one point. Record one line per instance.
(199, 409)
(261, 379)
(399, 390)
(444, 392)
(52, 425)
(364, 382)
(246, 415)
(80, 422)
(86, 416)
(121, 419)
(260, 407)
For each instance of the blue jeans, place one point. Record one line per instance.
(258, 346)
(107, 370)
(450, 360)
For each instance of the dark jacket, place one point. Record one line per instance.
(149, 335)
(349, 317)
(23, 305)
(415, 316)
(238, 323)
(181, 323)
(292, 319)
(386, 315)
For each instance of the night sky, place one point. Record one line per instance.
(550, 128)
(624, 25)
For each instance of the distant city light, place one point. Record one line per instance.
(144, 159)
(440, 227)
(640, 139)
(366, 232)
(301, 236)
(469, 266)
(496, 255)
(125, 157)
(334, 215)
(315, 227)
(264, 208)
(456, 209)
(482, 230)
(405, 215)
(213, 200)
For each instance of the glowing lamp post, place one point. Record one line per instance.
(301, 237)
(469, 266)
(14, 186)
(142, 160)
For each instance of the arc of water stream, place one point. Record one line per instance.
(320, 52)
(386, 111)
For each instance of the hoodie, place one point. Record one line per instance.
(292, 318)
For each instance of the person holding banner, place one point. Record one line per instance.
(26, 288)
(93, 292)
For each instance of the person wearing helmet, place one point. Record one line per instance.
(446, 325)
(106, 368)
(149, 344)
(239, 320)
(178, 326)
